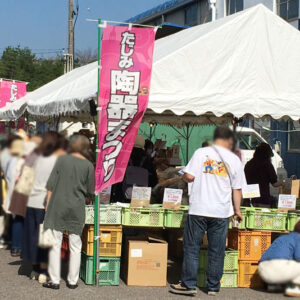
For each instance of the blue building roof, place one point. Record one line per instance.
(155, 10)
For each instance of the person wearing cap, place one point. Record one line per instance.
(138, 158)
(259, 170)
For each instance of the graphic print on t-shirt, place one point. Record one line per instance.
(215, 167)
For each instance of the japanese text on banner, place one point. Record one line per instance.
(126, 62)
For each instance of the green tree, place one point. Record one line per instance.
(21, 64)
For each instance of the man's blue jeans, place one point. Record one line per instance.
(194, 230)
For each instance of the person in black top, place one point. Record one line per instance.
(259, 170)
(138, 158)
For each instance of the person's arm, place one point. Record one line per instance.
(192, 170)
(49, 193)
(188, 178)
(238, 181)
(91, 183)
(278, 183)
(273, 176)
(237, 199)
(51, 183)
(170, 181)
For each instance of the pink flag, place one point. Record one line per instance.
(11, 91)
(126, 63)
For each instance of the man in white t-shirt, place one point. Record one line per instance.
(217, 177)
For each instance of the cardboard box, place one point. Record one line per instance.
(147, 262)
(295, 189)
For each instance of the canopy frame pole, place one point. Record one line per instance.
(186, 135)
(97, 200)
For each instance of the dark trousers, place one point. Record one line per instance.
(16, 232)
(194, 230)
(30, 250)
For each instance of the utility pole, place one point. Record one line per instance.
(69, 57)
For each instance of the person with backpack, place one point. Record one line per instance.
(140, 172)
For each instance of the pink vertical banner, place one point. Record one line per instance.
(126, 64)
(11, 91)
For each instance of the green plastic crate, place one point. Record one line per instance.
(109, 270)
(292, 219)
(266, 219)
(229, 279)
(175, 218)
(242, 225)
(109, 215)
(143, 217)
(231, 262)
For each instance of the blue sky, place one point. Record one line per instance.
(42, 24)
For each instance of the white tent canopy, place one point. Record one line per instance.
(247, 63)
(67, 94)
(244, 64)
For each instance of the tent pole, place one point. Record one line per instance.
(187, 143)
(97, 200)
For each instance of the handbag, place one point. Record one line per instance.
(46, 238)
(25, 182)
(23, 187)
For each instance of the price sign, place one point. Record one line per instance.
(140, 196)
(287, 202)
(251, 191)
(172, 198)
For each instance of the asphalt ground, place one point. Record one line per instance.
(15, 286)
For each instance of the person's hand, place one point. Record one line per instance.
(238, 216)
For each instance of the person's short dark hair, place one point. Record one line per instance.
(63, 143)
(50, 143)
(223, 133)
(263, 152)
(297, 227)
(205, 144)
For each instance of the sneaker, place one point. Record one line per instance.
(181, 289)
(212, 292)
(292, 291)
(51, 285)
(42, 278)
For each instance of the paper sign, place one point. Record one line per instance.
(251, 191)
(141, 193)
(172, 195)
(287, 201)
(140, 196)
(136, 253)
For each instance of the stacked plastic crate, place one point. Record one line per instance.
(230, 273)
(110, 242)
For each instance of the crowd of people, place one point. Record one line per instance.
(48, 181)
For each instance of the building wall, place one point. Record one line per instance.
(250, 3)
(176, 17)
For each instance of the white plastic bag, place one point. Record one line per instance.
(46, 238)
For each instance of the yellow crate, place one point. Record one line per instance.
(250, 244)
(110, 240)
(248, 276)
